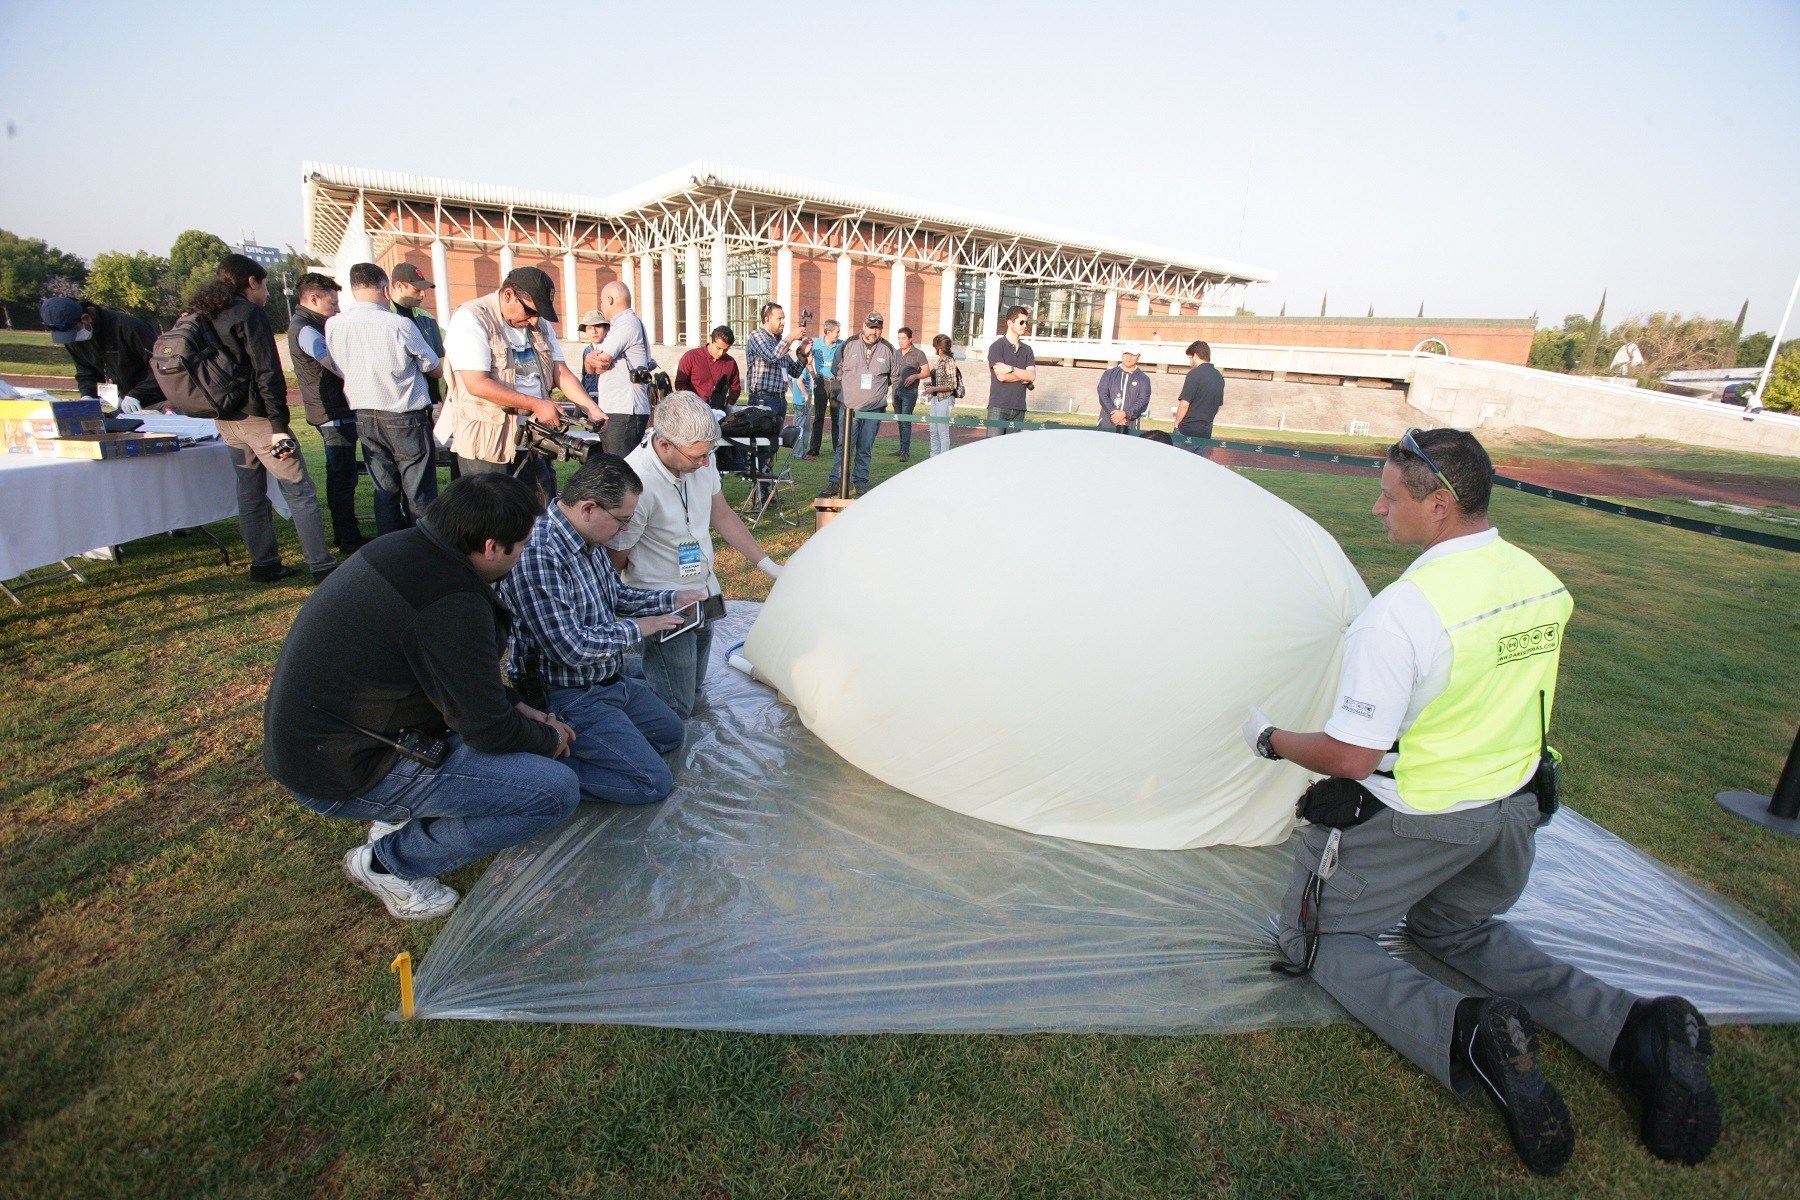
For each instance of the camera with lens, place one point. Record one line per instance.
(559, 445)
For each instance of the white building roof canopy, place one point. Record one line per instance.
(700, 182)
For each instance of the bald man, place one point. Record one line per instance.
(624, 349)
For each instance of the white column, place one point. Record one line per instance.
(645, 301)
(696, 336)
(990, 308)
(784, 285)
(720, 268)
(1144, 305)
(896, 316)
(571, 300)
(1174, 308)
(1109, 316)
(440, 275)
(844, 284)
(506, 262)
(357, 246)
(947, 302)
(670, 285)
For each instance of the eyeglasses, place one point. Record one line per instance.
(1410, 444)
(622, 520)
(689, 459)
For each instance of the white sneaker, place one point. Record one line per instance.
(380, 829)
(407, 899)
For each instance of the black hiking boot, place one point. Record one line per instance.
(1500, 1044)
(1662, 1053)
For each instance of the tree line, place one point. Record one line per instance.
(154, 286)
(1667, 341)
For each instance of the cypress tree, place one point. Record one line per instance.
(1730, 357)
(1421, 310)
(1283, 311)
(1322, 302)
(1371, 310)
(1592, 346)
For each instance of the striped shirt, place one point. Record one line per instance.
(569, 608)
(382, 357)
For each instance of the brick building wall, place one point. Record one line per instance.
(1498, 340)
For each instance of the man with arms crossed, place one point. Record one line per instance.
(1202, 396)
(574, 622)
(1449, 677)
(402, 644)
(504, 361)
(668, 544)
(625, 348)
(327, 408)
(1012, 366)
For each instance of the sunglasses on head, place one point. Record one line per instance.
(1409, 442)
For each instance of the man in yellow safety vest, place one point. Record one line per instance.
(1437, 780)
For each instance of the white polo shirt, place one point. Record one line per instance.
(671, 513)
(1397, 657)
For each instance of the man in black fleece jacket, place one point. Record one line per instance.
(258, 436)
(407, 636)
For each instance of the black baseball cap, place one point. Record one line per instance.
(407, 273)
(536, 287)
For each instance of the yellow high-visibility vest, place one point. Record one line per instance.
(1505, 613)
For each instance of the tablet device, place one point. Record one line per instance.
(713, 608)
(690, 617)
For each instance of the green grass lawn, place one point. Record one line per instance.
(193, 999)
(23, 353)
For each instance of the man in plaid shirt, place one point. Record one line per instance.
(574, 621)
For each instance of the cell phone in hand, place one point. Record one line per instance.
(712, 608)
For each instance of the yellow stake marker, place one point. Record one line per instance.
(402, 966)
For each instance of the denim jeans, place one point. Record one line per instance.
(941, 406)
(252, 441)
(469, 807)
(904, 403)
(402, 465)
(340, 481)
(864, 434)
(534, 471)
(621, 733)
(675, 669)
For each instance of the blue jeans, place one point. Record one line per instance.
(402, 462)
(621, 733)
(340, 481)
(535, 472)
(471, 806)
(864, 434)
(904, 403)
(676, 668)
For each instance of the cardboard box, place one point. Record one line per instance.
(23, 422)
(107, 445)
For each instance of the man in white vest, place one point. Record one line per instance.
(1437, 781)
(504, 363)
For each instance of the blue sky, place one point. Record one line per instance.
(1484, 159)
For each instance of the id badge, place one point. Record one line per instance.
(868, 381)
(687, 556)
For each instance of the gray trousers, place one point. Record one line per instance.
(675, 669)
(252, 442)
(1448, 875)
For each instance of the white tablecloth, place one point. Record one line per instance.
(51, 509)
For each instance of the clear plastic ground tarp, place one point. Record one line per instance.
(782, 890)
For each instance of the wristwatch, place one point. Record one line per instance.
(1265, 745)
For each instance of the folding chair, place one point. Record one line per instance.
(768, 467)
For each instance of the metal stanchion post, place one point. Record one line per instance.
(1780, 812)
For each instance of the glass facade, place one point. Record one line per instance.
(1057, 312)
(971, 291)
(748, 286)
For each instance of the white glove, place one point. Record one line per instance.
(129, 404)
(769, 567)
(1253, 728)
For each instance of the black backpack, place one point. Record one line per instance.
(750, 421)
(198, 375)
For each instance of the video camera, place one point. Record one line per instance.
(560, 445)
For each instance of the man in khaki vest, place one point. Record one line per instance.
(504, 360)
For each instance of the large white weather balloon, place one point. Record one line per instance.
(1061, 632)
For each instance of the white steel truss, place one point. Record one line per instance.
(703, 211)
